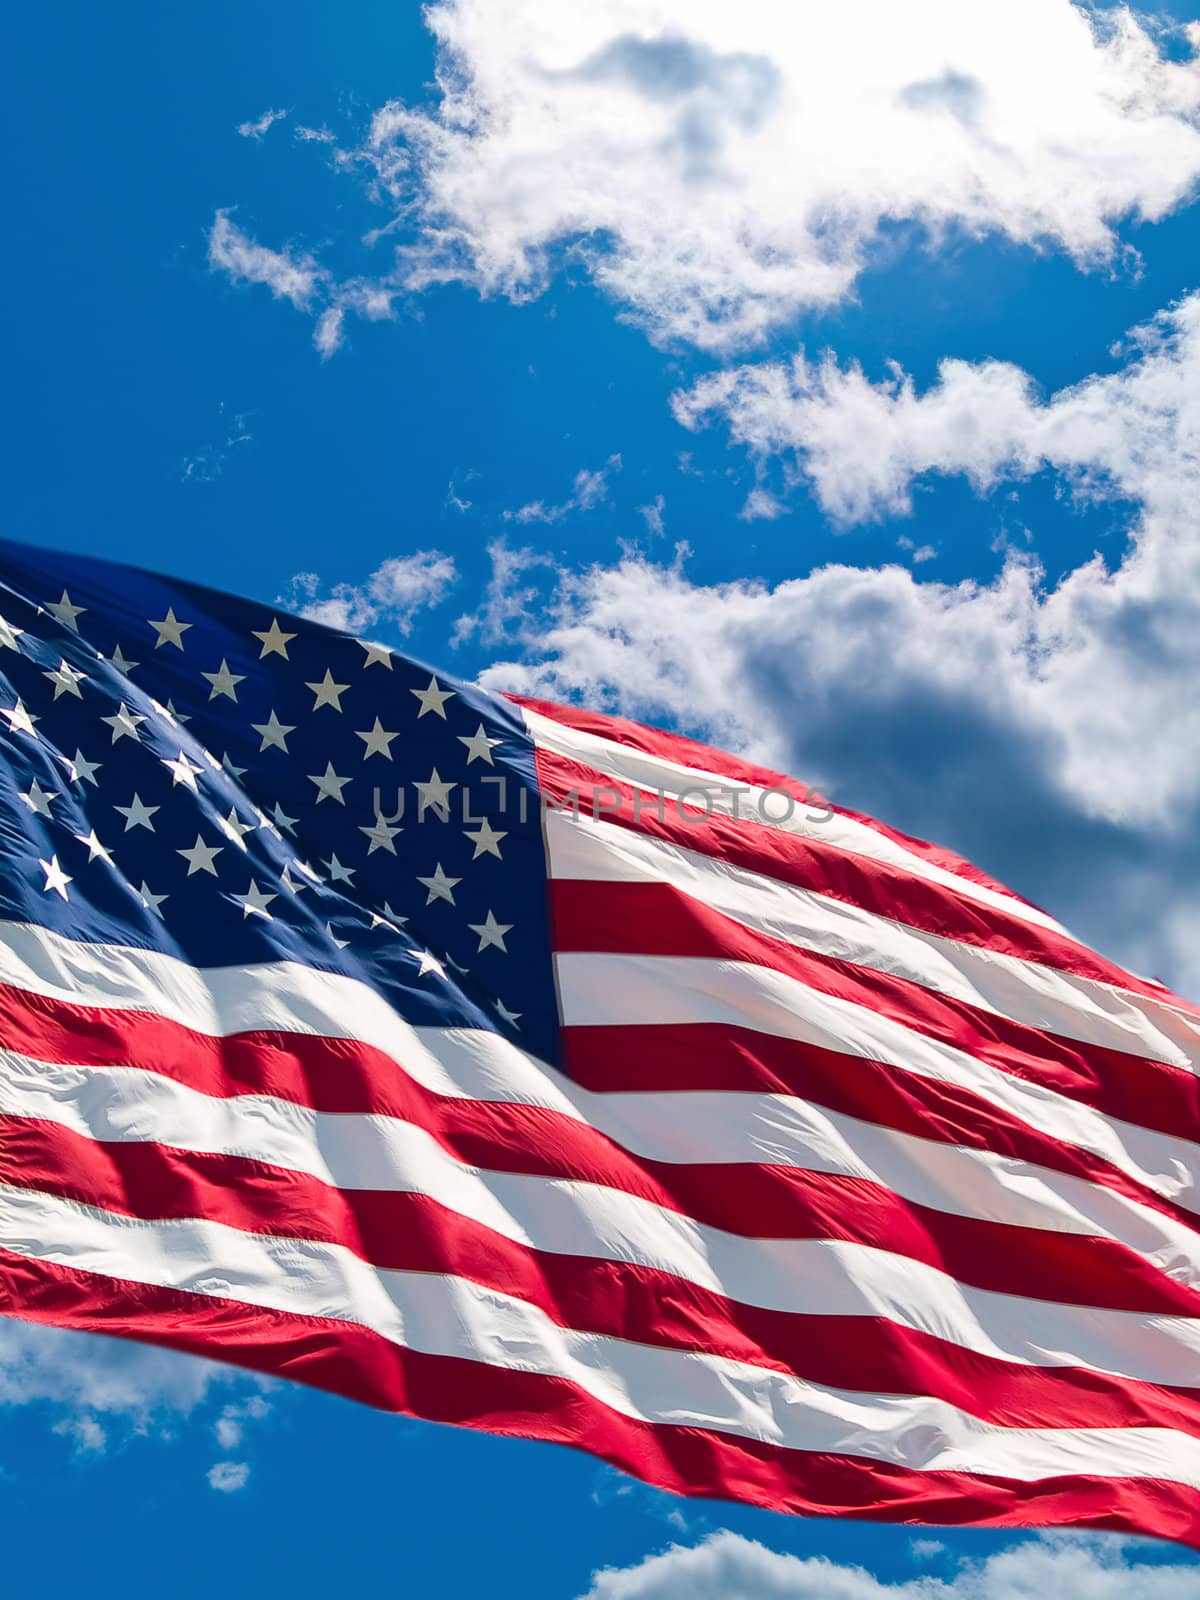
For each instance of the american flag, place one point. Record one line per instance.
(519, 1067)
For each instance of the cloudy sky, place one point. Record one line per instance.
(822, 380)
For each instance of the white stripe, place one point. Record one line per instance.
(446, 1316)
(1036, 996)
(692, 1128)
(672, 778)
(607, 990)
(803, 1277)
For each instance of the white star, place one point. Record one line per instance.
(285, 878)
(124, 724)
(19, 720)
(479, 746)
(377, 740)
(440, 886)
(38, 800)
(433, 699)
(338, 944)
(56, 879)
(337, 872)
(234, 828)
(81, 770)
(9, 635)
(435, 796)
(327, 692)
(119, 664)
(274, 640)
(236, 773)
(255, 902)
(487, 840)
(137, 815)
(377, 655)
(66, 613)
(149, 899)
(66, 679)
(170, 630)
(428, 963)
(94, 847)
(382, 922)
(282, 820)
(273, 733)
(177, 716)
(224, 682)
(201, 856)
(381, 835)
(182, 771)
(491, 932)
(329, 785)
(511, 1017)
(393, 915)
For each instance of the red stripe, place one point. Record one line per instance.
(754, 1201)
(654, 919)
(706, 758)
(411, 1232)
(357, 1363)
(811, 863)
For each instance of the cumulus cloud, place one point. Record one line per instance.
(227, 1477)
(861, 446)
(727, 1567)
(718, 169)
(396, 591)
(1049, 731)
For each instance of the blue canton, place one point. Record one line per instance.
(197, 774)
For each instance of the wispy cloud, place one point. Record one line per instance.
(394, 594)
(652, 516)
(589, 490)
(209, 463)
(509, 601)
(289, 277)
(96, 1386)
(261, 125)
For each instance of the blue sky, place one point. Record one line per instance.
(971, 605)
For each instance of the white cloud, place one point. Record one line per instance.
(289, 277)
(92, 1384)
(727, 1567)
(395, 592)
(720, 168)
(227, 1477)
(927, 1549)
(329, 333)
(261, 125)
(588, 490)
(509, 600)
(761, 506)
(230, 1426)
(860, 446)
(652, 516)
(1050, 732)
